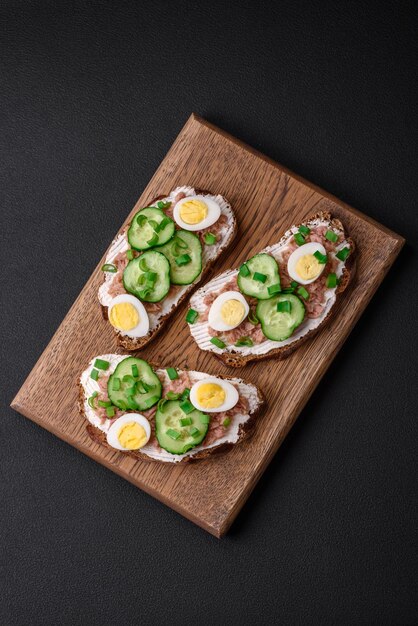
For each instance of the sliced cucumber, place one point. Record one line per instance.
(260, 265)
(183, 242)
(148, 276)
(145, 230)
(174, 437)
(137, 388)
(277, 325)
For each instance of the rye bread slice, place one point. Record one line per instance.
(133, 344)
(245, 430)
(235, 359)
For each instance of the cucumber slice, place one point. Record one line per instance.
(144, 230)
(136, 276)
(146, 382)
(183, 242)
(174, 437)
(276, 325)
(261, 265)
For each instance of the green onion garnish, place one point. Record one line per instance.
(101, 364)
(191, 316)
(294, 284)
(253, 319)
(217, 342)
(186, 421)
(151, 276)
(260, 277)
(303, 293)
(154, 240)
(135, 372)
(244, 341)
(183, 259)
(288, 290)
(174, 434)
(130, 255)
(104, 403)
(109, 267)
(181, 243)
(172, 396)
(209, 239)
(91, 399)
(343, 254)
(187, 406)
(116, 384)
(194, 431)
(185, 394)
(273, 289)
(163, 224)
(304, 230)
(331, 280)
(140, 387)
(110, 411)
(131, 391)
(144, 293)
(94, 374)
(143, 265)
(141, 219)
(299, 238)
(154, 225)
(226, 422)
(172, 373)
(244, 271)
(205, 419)
(131, 403)
(163, 205)
(284, 306)
(146, 386)
(322, 258)
(128, 379)
(161, 404)
(331, 236)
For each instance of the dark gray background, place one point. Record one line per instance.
(92, 96)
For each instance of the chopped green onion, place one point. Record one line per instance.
(288, 290)
(180, 242)
(143, 265)
(149, 284)
(94, 374)
(130, 255)
(104, 403)
(244, 271)
(154, 240)
(161, 404)
(146, 386)
(331, 236)
(141, 219)
(131, 403)
(194, 431)
(205, 419)
(284, 306)
(253, 319)
(131, 391)
(163, 205)
(154, 225)
(110, 411)
(226, 422)
(183, 259)
(144, 293)
(260, 277)
(151, 276)
(322, 258)
(331, 280)
(191, 316)
(273, 289)
(217, 342)
(209, 239)
(163, 224)
(186, 421)
(172, 373)
(303, 293)
(304, 230)
(109, 267)
(135, 372)
(116, 384)
(244, 341)
(101, 364)
(294, 284)
(172, 396)
(343, 254)
(128, 379)
(91, 399)
(187, 406)
(174, 434)
(299, 238)
(140, 387)
(185, 394)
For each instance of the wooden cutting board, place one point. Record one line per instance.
(212, 492)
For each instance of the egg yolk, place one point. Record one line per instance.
(124, 316)
(232, 312)
(210, 395)
(193, 211)
(132, 436)
(308, 267)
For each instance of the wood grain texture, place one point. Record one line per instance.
(267, 199)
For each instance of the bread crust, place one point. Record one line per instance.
(245, 431)
(238, 360)
(132, 344)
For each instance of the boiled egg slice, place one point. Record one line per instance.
(196, 212)
(127, 314)
(303, 266)
(213, 395)
(129, 432)
(228, 311)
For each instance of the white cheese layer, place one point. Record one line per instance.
(246, 390)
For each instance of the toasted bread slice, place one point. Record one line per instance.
(219, 439)
(158, 315)
(266, 348)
